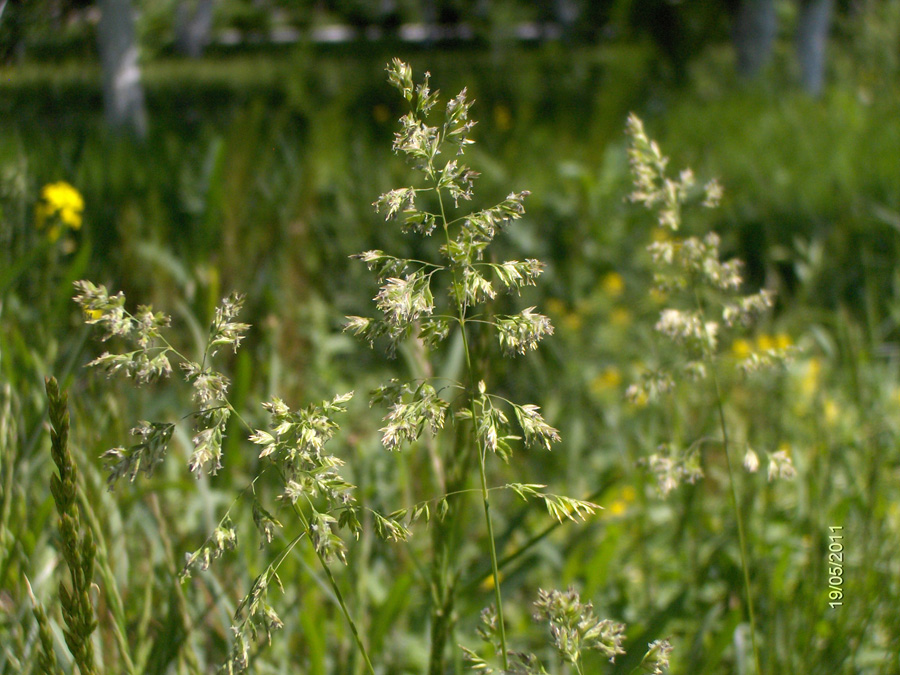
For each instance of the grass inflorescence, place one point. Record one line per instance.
(77, 543)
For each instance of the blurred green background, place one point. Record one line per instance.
(267, 139)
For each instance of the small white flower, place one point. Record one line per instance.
(751, 461)
(781, 466)
(713, 194)
(658, 656)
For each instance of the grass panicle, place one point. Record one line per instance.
(76, 540)
(453, 294)
(293, 450)
(707, 299)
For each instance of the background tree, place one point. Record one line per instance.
(812, 37)
(755, 30)
(123, 95)
(193, 26)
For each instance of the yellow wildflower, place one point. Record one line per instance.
(783, 341)
(61, 206)
(765, 342)
(741, 348)
(809, 384)
(661, 234)
(893, 512)
(613, 284)
(619, 506)
(609, 379)
(487, 584)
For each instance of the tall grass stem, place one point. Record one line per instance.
(742, 540)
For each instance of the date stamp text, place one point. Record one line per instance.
(835, 566)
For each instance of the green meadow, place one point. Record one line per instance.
(568, 407)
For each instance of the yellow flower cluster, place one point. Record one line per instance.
(810, 379)
(620, 505)
(61, 206)
(609, 379)
(613, 284)
(779, 342)
(742, 348)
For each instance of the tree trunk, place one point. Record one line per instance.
(566, 13)
(812, 36)
(123, 95)
(193, 27)
(754, 35)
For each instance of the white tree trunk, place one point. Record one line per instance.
(812, 36)
(193, 26)
(754, 35)
(123, 95)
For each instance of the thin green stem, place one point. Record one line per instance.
(494, 566)
(740, 521)
(476, 580)
(324, 564)
(336, 589)
(117, 607)
(482, 452)
(745, 565)
(424, 263)
(187, 623)
(7, 440)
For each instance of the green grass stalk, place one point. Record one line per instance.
(742, 539)
(498, 597)
(47, 661)
(337, 593)
(187, 623)
(332, 582)
(111, 589)
(78, 547)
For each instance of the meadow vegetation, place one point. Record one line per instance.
(581, 431)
